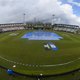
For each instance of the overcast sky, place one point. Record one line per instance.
(65, 11)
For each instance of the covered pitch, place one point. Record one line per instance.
(42, 35)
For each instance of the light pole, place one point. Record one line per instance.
(24, 22)
(52, 19)
(24, 18)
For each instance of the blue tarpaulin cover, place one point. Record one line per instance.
(42, 35)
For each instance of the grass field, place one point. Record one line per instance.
(30, 57)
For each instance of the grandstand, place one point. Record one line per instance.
(66, 28)
(42, 26)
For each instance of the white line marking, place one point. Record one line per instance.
(32, 65)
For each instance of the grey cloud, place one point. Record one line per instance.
(13, 10)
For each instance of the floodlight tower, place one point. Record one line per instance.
(24, 18)
(24, 21)
(52, 23)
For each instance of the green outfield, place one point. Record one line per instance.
(31, 58)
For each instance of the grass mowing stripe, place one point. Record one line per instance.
(21, 33)
(75, 36)
(63, 34)
(69, 36)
